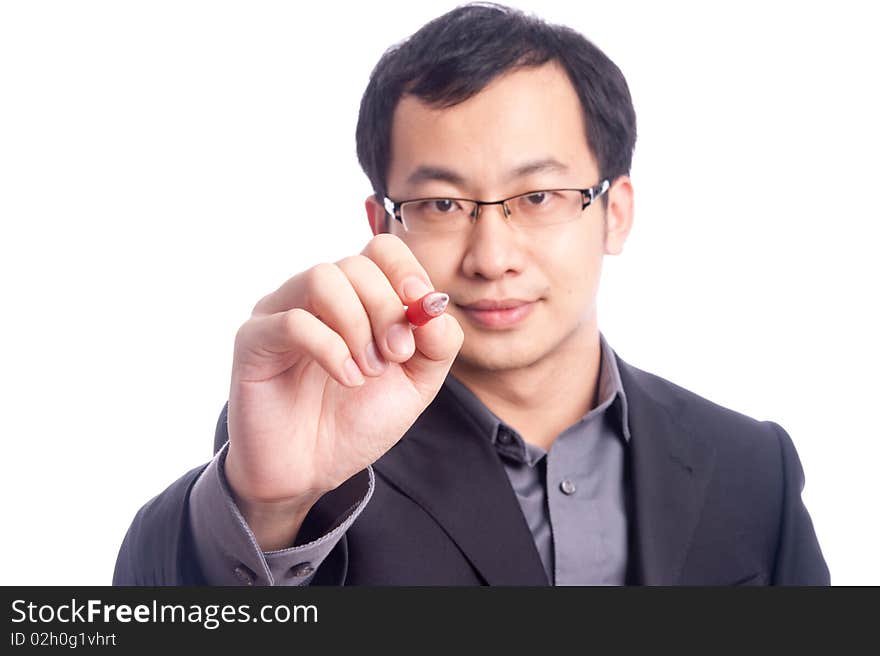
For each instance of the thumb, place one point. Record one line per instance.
(437, 344)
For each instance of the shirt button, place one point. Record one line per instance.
(302, 569)
(504, 437)
(244, 574)
(567, 487)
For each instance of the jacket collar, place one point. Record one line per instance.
(611, 398)
(446, 466)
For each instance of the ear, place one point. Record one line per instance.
(376, 215)
(618, 214)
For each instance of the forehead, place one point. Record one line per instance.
(525, 115)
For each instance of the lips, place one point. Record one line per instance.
(499, 314)
(492, 304)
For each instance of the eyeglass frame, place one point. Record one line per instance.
(589, 194)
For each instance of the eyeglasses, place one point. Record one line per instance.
(531, 209)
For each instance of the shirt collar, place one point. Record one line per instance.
(611, 394)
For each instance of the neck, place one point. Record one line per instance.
(544, 398)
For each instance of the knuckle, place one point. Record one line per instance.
(350, 262)
(247, 334)
(259, 306)
(386, 238)
(321, 272)
(241, 334)
(316, 279)
(382, 243)
(292, 320)
(357, 268)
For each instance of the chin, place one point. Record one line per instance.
(502, 355)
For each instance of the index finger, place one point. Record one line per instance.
(390, 255)
(395, 259)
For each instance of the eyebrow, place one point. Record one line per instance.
(426, 172)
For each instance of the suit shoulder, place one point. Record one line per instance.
(709, 419)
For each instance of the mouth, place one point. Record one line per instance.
(504, 313)
(493, 304)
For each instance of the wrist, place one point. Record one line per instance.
(275, 522)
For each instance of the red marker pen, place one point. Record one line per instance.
(426, 308)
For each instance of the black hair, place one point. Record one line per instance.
(455, 56)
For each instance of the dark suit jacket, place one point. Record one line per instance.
(716, 500)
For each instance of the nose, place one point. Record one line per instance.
(493, 247)
(502, 203)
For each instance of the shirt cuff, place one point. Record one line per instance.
(228, 551)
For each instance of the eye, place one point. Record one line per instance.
(538, 198)
(444, 205)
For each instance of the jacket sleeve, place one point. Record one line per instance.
(160, 549)
(799, 559)
(228, 552)
(157, 550)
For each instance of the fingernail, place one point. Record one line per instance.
(374, 360)
(414, 288)
(353, 372)
(400, 339)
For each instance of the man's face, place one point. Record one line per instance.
(525, 116)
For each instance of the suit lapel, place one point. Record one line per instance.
(455, 474)
(670, 468)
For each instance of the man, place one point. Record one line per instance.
(504, 442)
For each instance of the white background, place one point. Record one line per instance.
(160, 164)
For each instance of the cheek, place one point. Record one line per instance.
(573, 255)
(573, 268)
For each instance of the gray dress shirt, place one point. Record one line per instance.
(574, 498)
